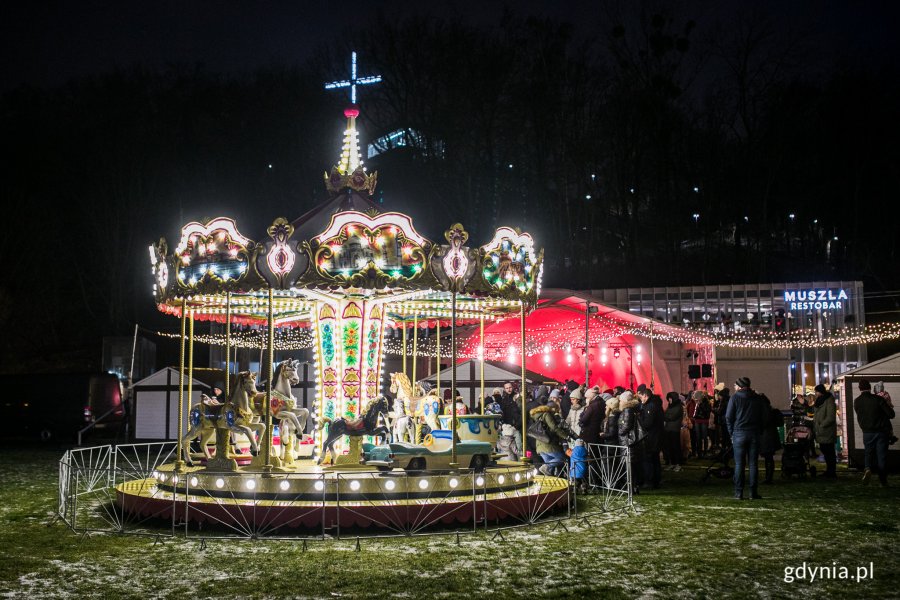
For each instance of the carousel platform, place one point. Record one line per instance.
(316, 498)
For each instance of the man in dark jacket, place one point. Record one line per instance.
(512, 410)
(745, 418)
(591, 420)
(874, 414)
(651, 419)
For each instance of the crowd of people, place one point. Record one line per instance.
(574, 423)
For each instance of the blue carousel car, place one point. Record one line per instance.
(433, 455)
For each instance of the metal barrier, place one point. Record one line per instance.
(363, 504)
(609, 474)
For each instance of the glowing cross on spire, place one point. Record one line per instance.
(354, 80)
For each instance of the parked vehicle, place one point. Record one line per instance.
(57, 406)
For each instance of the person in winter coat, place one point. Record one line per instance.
(573, 418)
(769, 443)
(578, 466)
(550, 451)
(825, 424)
(672, 419)
(512, 410)
(630, 434)
(690, 407)
(723, 395)
(701, 421)
(590, 420)
(610, 434)
(687, 426)
(745, 418)
(651, 420)
(874, 414)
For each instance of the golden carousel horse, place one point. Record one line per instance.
(210, 417)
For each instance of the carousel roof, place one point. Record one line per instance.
(344, 248)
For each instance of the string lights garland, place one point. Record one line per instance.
(543, 340)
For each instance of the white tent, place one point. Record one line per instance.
(887, 371)
(156, 405)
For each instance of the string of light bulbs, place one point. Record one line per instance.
(543, 340)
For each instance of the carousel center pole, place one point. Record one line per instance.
(269, 382)
(651, 355)
(482, 364)
(453, 462)
(179, 464)
(522, 387)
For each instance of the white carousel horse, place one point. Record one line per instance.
(422, 407)
(403, 427)
(283, 405)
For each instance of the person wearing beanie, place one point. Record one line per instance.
(590, 420)
(578, 466)
(610, 434)
(572, 420)
(874, 414)
(747, 414)
(825, 426)
(672, 419)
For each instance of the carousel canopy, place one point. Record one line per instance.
(344, 248)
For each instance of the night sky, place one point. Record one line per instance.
(48, 43)
(126, 120)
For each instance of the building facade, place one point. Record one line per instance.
(824, 306)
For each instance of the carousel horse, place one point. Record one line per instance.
(283, 405)
(404, 428)
(367, 424)
(210, 417)
(424, 408)
(239, 414)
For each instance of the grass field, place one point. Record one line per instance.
(688, 540)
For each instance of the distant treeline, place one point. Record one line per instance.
(653, 152)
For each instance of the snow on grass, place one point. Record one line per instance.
(686, 540)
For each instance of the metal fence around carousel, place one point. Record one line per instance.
(89, 478)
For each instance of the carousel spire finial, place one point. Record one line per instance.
(349, 171)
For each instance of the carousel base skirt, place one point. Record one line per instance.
(322, 500)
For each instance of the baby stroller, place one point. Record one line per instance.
(795, 457)
(720, 468)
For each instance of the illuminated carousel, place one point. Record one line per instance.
(347, 274)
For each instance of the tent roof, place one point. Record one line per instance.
(161, 378)
(493, 371)
(890, 365)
